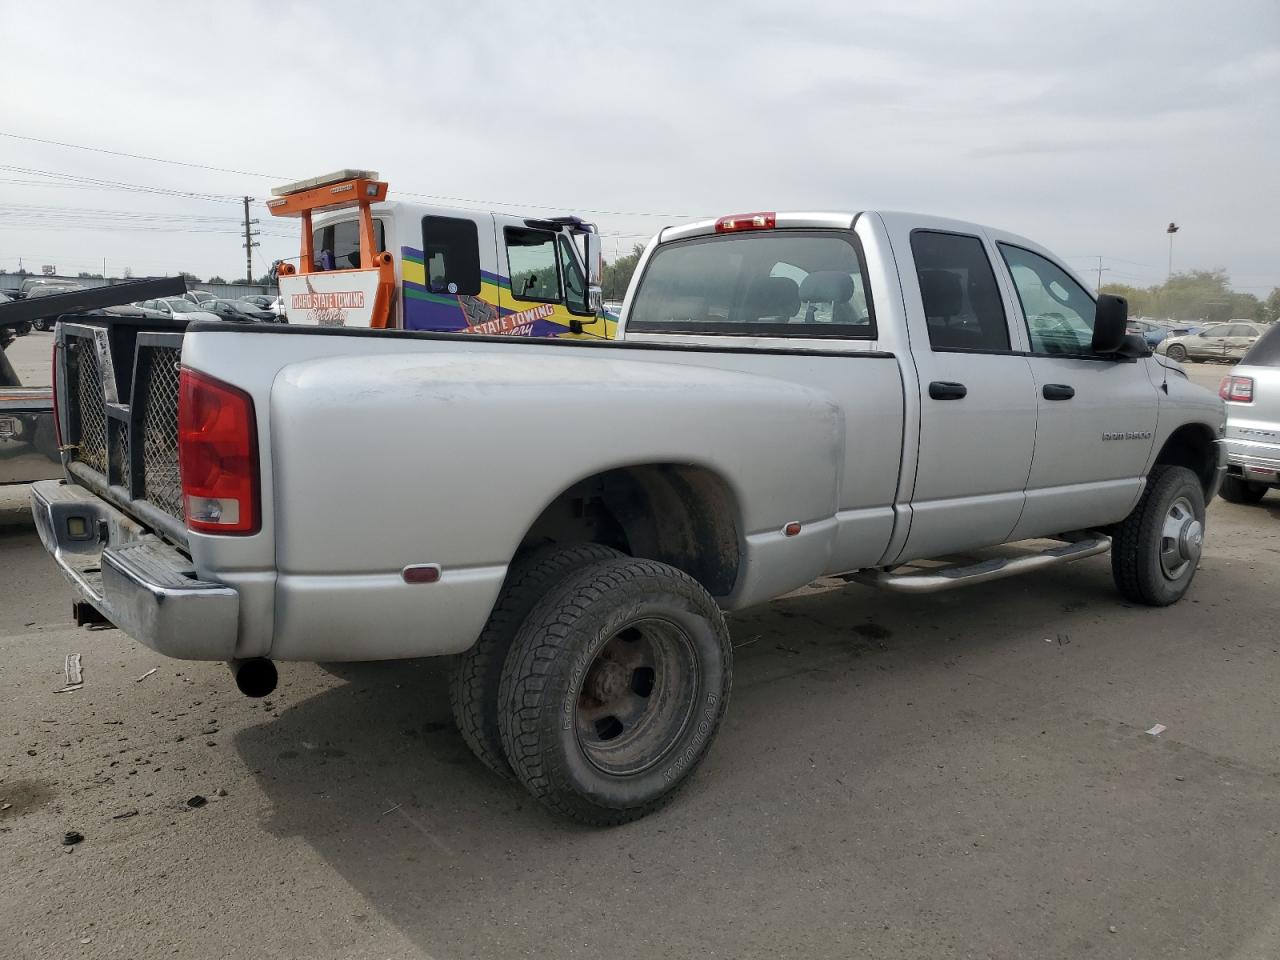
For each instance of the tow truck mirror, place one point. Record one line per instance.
(1110, 323)
(595, 263)
(595, 273)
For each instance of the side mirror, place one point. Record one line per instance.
(595, 274)
(1110, 323)
(595, 260)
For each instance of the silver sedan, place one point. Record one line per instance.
(1222, 341)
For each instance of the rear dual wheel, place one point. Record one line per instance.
(473, 693)
(614, 688)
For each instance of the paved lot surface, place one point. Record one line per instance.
(965, 775)
(30, 356)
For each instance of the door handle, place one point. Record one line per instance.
(1058, 391)
(946, 390)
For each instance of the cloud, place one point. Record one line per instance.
(1087, 126)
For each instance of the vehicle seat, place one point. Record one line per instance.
(829, 286)
(943, 297)
(773, 298)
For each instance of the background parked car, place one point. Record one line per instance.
(9, 331)
(179, 307)
(236, 310)
(1252, 393)
(261, 301)
(1148, 330)
(48, 290)
(1221, 341)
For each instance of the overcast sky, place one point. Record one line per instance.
(1086, 126)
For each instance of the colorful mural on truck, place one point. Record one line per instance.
(493, 312)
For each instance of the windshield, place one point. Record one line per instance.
(181, 306)
(780, 283)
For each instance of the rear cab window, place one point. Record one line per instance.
(779, 283)
(336, 246)
(451, 255)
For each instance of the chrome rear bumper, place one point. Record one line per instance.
(140, 583)
(1255, 461)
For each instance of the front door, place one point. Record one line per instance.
(977, 404)
(1097, 415)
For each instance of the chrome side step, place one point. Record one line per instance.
(996, 569)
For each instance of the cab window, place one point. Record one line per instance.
(336, 246)
(1059, 312)
(531, 260)
(784, 283)
(451, 255)
(962, 304)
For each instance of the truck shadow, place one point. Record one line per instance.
(892, 767)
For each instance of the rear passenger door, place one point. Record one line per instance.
(1097, 414)
(977, 402)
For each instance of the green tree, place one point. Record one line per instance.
(84, 275)
(617, 275)
(1271, 306)
(216, 279)
(190, 277)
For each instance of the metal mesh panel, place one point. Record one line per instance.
(92, 442)
(119, 452)
(162, 485)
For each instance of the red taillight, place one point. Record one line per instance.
(1236, 389)
(747, 221)
(217, 455)
(57, 414)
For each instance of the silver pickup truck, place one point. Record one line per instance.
(792, 396)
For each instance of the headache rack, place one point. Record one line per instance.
(117, 396)
(118, 393)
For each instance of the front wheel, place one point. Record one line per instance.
(1177, 352)
(1236, 490)
(614, 690)
(1156, 549)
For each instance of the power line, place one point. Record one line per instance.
(120, 184)
(137, 156)
(268, 176)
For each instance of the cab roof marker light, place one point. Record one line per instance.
(746, 221)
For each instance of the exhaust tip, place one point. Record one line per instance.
(256, 677)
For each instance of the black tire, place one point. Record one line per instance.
(1149, 565)
(1238, 490)
(572, 675)
(1176, 351)
(473, 692)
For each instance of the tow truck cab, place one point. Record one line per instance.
(369, 262)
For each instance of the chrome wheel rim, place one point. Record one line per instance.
(636, 697)
(1181, 539)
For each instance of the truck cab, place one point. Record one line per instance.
(446, 270)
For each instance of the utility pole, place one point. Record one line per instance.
(1101, 268)
(249, 242)
(1171, 230)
